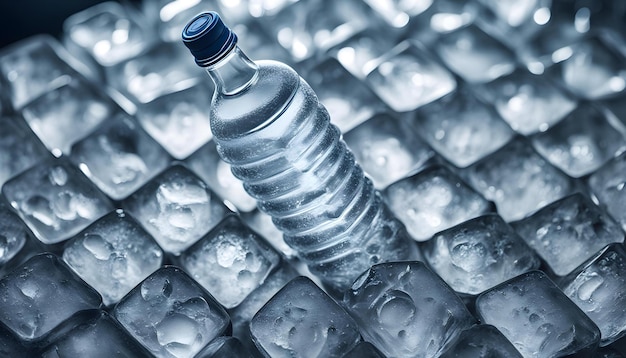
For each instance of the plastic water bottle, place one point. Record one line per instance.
(270, 127)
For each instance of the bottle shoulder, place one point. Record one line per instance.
(267, 96)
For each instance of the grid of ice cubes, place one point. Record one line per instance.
(495, 129)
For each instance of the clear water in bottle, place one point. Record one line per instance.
(270, 127)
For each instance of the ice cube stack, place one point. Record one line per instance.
(495, 130)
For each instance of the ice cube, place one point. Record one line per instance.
(108, 32)
(19, 148)
(40, 294)
(513, 21)
(97, 336)
(607, 185)
(442, 16)
(398, 13)
(481, 341)
(387, 149)
(406, 310)
(176, 208)
(67, 114)
(408, 77)
(301, 320)
(433, 200)
(255, 41)
(478, 254)
(474, 55)
(529, 103)
(461, 128)
(348, 100)
(537, 317)
(171, 315)
(230, 261)
(119, 157)
(10, 346)
(207, 163)
(581, 142)
(113, 255)
(358, 54)
(55, 200)
(568, 232)
(179, 121)
(224, 347)
(518, 180)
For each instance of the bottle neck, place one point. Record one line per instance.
(234, 73)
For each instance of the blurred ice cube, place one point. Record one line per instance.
(303, 321)
(598, 287)
(67, 114)
(607, 185)
(19, 148)
(40, 294)
(408, 77)
(358, 53)
(348, 100)
(113, 255)
(581, 142)
(514, 21)
(179, 121)
(108, 32)
(518, 180)
(406, 310)
(97, 336)
(474, 55)
(387, 149)
(529, 103)
(170, 315)
(442, 16)
(163, 69)
(230, 261)
(537, 317)
(253, 39)
(119, 157)
(207, 163)
(398, 13)
(176, 208)
(55, 200)
(169, 17)
(433, 200)
(568, 232)
(461, 128)
(481, 341)
(478, 254)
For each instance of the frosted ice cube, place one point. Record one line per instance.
(364, 350)
(97, 336)
(113, 255)
(568, 232)
(408, 77)
(55, 200)
(171, 315)
(581, 142)
(461, 128)
(163, 69)
(607, 185)
(40, 294)
(387, 149)
(406, 310)
(358, 53)
(224, 347)
(108, 32)
(179, 121)
(119, 157)
(398, 13)
(529, 103)
(474, 55)
(348, 100)
(481, 341)
(518, 180)
(598, 287)
(67, 114)
(301, 320)
(230, 261)
(207, 163)
(537, 317)
(19, 148)
(176, 208)
(478, 254)
(433, 200)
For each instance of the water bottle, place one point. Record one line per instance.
(269, 126)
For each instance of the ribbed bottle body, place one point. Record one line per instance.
(279, 141)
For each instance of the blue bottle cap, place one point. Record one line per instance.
(208, 39)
